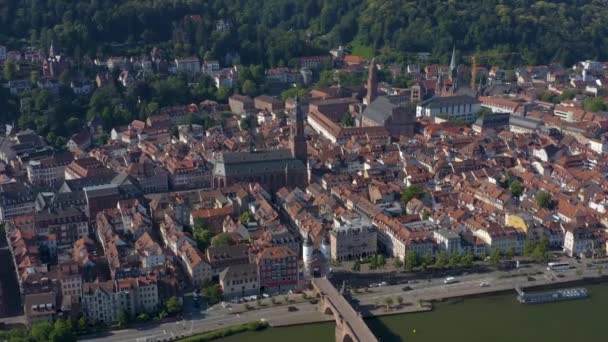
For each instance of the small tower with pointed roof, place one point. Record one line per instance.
(307, 250)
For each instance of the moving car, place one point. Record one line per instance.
(450, 280)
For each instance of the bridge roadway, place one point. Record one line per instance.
(350, 326)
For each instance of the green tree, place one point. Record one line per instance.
(292, 93)
(347, 120)
(543, 199)
(388, 301)
(454, 260)
(173, 306)
(483, 112)
(495, 257)
(245, 217)
(411, 261)
(143, 317)
(223, 93)
(356, 266)
(10, 70)
(567, 94)
(441, 261)
(249, 88)
(222, 239)
(62, 332)
(412, 191)
(397, 263)
(212, 293)
(510, 253)
(246, 123)
(122, 318)
(529, 247)
(427, 259)
(595, 104)
(201, 234)
(468, 258)
(516, 188)
(541, 251)
(41, 331)
(83, 326)
(380, 260)
(425, 214)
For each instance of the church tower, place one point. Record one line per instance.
(52, 49)
(454, 70)
(297, 138)
(372, 82)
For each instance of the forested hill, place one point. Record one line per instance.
(273, 32)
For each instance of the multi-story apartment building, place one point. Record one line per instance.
(239, 281)
(151, 177)
(150, 252)
(502, 239)
(103, 301)
(48, 171)
(186, 173)
(16, 200)
(68, 225)
(448, 241)
(277, 269)
(352, 238)
(193, 260)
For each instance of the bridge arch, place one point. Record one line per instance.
(350, 326)
(347, 338)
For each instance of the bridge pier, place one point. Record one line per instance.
(350, 326)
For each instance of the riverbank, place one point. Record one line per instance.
(494, 316)
(225, 332)
(373, 302)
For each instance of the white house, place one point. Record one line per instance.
(453, 107)
(188, 65)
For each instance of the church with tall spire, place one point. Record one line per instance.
(273, 169)
(389, 111)
(448, 86)
(297, 138)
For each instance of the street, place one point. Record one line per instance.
(214, 319)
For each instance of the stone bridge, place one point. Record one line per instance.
(350, 326)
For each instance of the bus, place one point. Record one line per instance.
(558, 266)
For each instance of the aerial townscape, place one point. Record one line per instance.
(192, 170)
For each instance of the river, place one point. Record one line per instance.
(494, 318)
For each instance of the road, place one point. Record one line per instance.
(214, 319)
(433, 289)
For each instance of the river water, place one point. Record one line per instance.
(495, 318)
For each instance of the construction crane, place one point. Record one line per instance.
(477, 56)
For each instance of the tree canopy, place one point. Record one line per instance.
(275, 32)
(412, 191)
(543, 199)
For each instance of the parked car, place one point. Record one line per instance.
(292, 309)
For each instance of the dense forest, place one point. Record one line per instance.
(268, 33)
(273, 32)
